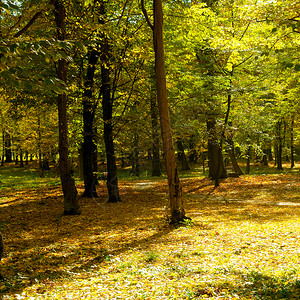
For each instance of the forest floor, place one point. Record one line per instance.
(242, 241)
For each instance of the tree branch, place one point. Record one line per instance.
(146, 15)
(24, 29)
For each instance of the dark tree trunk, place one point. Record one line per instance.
(215, 158)
(8, 152)
(21, 158)
(181, 153)
(107, 107)
(236, 168)
(3, 148)
(89, 149)
(135, 170)
(292, 144)
(156, 171)
(264, 160)
(71, 204)
(26, 158)
(279, 146)
(248, 160)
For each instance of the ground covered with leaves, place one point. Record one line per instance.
(242, 242)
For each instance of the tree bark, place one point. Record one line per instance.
(89, 148)
(292, 144)
(175, 189)
(71, 204)
(279, 146)
(135, 170)
(215, 158)
(107, 106)
(8, 152)
(156, 171)
(181, 154)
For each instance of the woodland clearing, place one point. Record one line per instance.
(242, 241)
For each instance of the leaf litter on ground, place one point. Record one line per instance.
(242, 242)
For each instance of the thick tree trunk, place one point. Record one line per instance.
(71, 204)
(107, 106)
(175, 190)
(181, 154)
(215, 158)
(89, 149)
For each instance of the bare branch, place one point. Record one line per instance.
(146, 15)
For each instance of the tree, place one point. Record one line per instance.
(89, 149)
(175, 190)
(71, 203)
(107, 107)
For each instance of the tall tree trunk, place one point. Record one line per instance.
(236, 168)
(175, 190)
(292, 144)
(156, 171)
(21, 158)
(89, 149)
(135, 171)
(8, 152)
(216, 166)
(279, 145)
(107, 106)
(3, 147)
(71, 204)
(248, 160)
(183, 159)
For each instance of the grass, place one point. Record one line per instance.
(242, 242)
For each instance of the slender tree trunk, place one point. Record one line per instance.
(89, 149)
(21, 158)
(135, 171)
(8, 152)
(236, 168)
(248, 160)
(107, 106)
(71, 204)
(175, 190)
(156, 171)
(292, 144)
(279, 143)
(3, 148)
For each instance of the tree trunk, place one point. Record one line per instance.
(156, 171)
(89, 149)
(248, 160)
(21, 158)
(279, 145)
(215, 158)
(183, 159)
(135, 170)
(71, 204)
(107, 106)
(292, 144)
(8, 152)
(236, 168)
(1, 252)
(175, 190)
